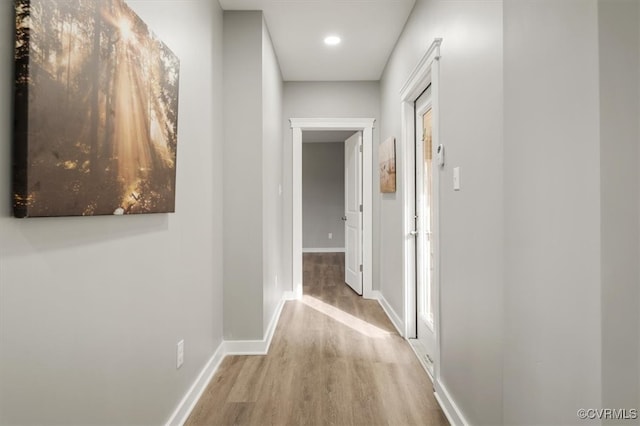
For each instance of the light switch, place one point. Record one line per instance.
(456, 179)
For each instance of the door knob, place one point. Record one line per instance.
(344, 218)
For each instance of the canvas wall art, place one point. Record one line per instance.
(387, 164)
(96, 111)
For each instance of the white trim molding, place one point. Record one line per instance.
(193, 395)
(425, 73)
(258, 347)
(356, 124)
(395, 319)
(227, 347)
(289, 295)
(324, 250)
(421, 75)
(448, 405)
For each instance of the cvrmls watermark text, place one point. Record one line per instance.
(608, 414)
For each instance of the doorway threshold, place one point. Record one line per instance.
(421, 353)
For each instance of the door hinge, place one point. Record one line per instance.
(360, 148)
(360, 268)
(360, 208)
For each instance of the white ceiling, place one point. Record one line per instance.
(326, 136)
(369, 30)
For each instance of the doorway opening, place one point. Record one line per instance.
(362, 253)
(425, 206)
(331, 200)
(420, 121)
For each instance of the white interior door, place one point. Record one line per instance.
(353, 212)
(426, 204)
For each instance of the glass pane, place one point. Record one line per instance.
(428, 179)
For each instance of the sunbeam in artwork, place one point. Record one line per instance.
(126, 32)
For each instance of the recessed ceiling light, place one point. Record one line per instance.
(332, 40)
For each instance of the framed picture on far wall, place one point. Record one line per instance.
(387, 164)
(96, 111)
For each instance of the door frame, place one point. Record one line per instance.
(365, 125)
(425, 73)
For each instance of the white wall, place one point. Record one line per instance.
(272, 145)
(91, 309)
(243, 172)
(317, 100)
(252, 177)
(322, 195)
(619, 49)
(471, 220)
(540, 249)
(553, 344)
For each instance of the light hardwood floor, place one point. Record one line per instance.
(335, 359)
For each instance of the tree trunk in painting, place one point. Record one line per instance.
(95, 93)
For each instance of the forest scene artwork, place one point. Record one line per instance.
(96, 111)
(387, 164)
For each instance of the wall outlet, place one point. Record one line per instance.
(330, 236)
(180, 354)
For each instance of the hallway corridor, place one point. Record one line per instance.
(335, 359)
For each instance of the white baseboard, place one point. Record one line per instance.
(446, 402)
(393, 316)
(258, 347)
(227, 347)
(449, 406)
(324, 250)
(191, 398)
(290, 295)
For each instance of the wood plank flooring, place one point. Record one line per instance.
(335, 359)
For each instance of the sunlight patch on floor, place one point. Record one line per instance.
(342, 317)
